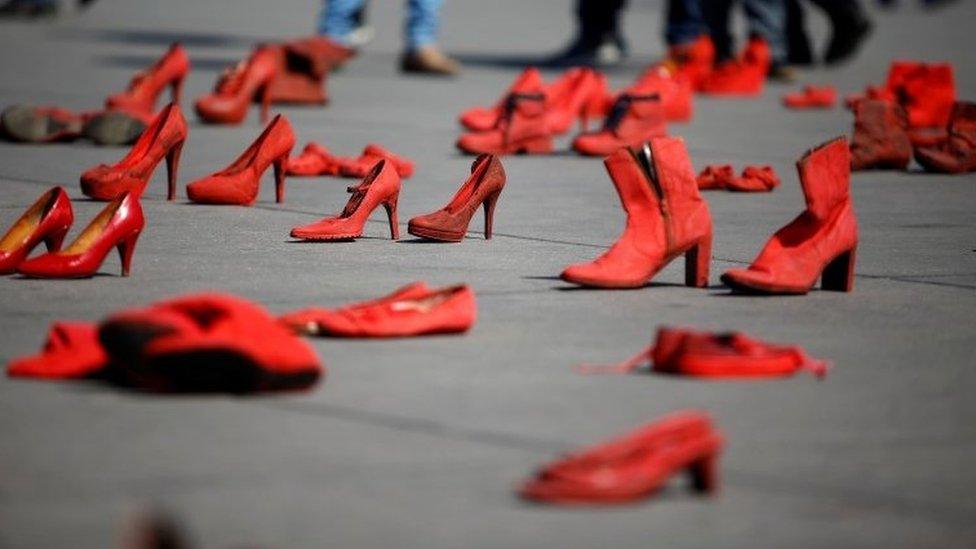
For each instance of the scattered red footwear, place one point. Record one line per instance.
(744, 76)
(316, 160)
(163, 138)
(372, 154)
(705, 354)
(523, 128)
(46, 220)
(633, 466)
(413, 310)
(633, 120)
(238, 184)
(820, 243)
(145, 88)
(450, 223)
(880, 136)
(237, 86)
(480, 119)
(381, 186)
(116, 226)
(675, 92)
(45, 124)
(812, 97)
(666, 218)
(957, 154)
(755, 179)
(71, 351)
(715, 177)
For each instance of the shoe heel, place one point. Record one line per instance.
(592, 110)
(697, 260)
(126, 248)
(537, 145)
(54, 240)
(280, 166)
(704, 474)
(838, 275)
(265, 101)
(172, 165)
(176, 89)
(391, 214)
(490, 202)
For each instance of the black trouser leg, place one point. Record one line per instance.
(716, 13)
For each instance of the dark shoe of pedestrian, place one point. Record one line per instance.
(429, 60)
(781, 73)
(848, 35)
(113, 128)
(25, 9)
(603, 53)
(958, 153)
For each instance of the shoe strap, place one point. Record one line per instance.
(622, 105)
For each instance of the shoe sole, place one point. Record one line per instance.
(322, 238)
(114, 128)
(751, 289)
(22, 124)
(434, 234)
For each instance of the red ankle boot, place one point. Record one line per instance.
(580, 94)
(633, 120)
(372, 154)
(715, 177)
(300, 74)
(691, 62)
(316, 160)
(238, 183)
(820, 241)
(144, 89)
(811, 97)
(744, 76)
(46, 220)
(450, 223)
(958, 153)
(633, 466)
(163, 138)
(116, 226)
(666, 217)
(880, 136)
(480, 119)
(237, 86)
(928, 94)
(523, 128)
(755, 179)
(381, 186)
(71, 351)
(324, 54)
(675, 92)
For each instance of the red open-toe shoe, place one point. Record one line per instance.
(372, 154)
(450, 223)
(145, 88)
(237, 86)
(72, 350)
(46, 220)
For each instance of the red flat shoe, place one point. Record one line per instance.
(45, 124)
(372, 154)
(820, 243)
(709, 355)
(744, 76)
(523, 128)
(450, 223)
(715, 177)
(480, 119)
(71, 351)
(316, 160)
(413, 310)
(381, 186)
(755, 179)
(163, 138)
(880, 138)
(633, 120)
(46, 220)
(812, 97)
(116, 226)
(580, 94)
(237, 86)
(238, 184)
(666, 218)
(145, 88)
(675, 92)
(633, 466)
(957, 154)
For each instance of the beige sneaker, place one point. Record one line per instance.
(429, 60)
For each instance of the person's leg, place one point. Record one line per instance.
(849, 27)
(684, 22)
(797, 40)
(337, 19)
(423, 19)
(767, 18)
(716, 15)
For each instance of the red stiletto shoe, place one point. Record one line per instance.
(811, 97)
(819, 243)
(580, 94)
(372, 154)
(957, 154)
(237, 86)
(450, 223)
(676, 92)
(633, 120)
(145, 88)
(381, 186)
(635, 465)
(46, 220)
(715, 177)
(316, 160)
(116, 226)
(744, 76)
(666, 218)
(238, 183)
(410, 311)
(71, 351)
(880, 136)
(524, 128)
(755, 179)
(163, 138)
(480, 119)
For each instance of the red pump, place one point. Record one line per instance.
(236, 87)
(145, 88)
(46, 220)
(450, 223)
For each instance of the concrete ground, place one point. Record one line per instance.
(418, 443)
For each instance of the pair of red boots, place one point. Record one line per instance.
(48, 220)
(667, 218)
(754, 179)
(927, 92)
(316, 160)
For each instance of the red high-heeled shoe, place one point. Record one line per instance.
(48, 220)
(820, 243)
(635, 465)
(666, 217)
(524, 128)
(633, 120)
(372, 154)
(144, 89)
(116, 226)
(480, 119)
(381, 186)
(450, 223)
(163, 138)
(238, 183)
(580, 94)
(237, 86)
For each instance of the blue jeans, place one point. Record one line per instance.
(685, 22)
(766, 18)
(420, 28)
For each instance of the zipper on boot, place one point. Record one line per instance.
(645, 160)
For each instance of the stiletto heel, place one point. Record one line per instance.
(592, 109)
(280, 167)
(172, 165)
(177, 89)
(490, 212)
(54, 240)
(450, 223)
(704, 474)
(697, 260)
(126, 248)
(391, 215)
(265, 101)
(838, 275)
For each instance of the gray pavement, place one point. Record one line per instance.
(418, 443)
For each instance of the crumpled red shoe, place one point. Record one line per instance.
(46, 220)
(412, 310)
(687, 352)
(715, 177)
(370, 156)
(633, 120)
(957, 154)
(144, 89)
(812, 97)
(72, 351)
(880, 139)
(755, 179)
(744, 76)
(633, 466)
(316, 160)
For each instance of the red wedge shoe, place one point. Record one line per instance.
(116, 226)
(480, 119)
(372, 154)
(450, 223)
(633, 466)
(316, 160)
(633, 120)
(685, 352)
(820, 243)
(524, 128)
(675, 92)
(46, 220)
(381, 186)
(410, 311)
(715, 177)
(237, 86)
(880, 136)
(811, 97)
(958, 153)
(744, 76)
(72, 351)
(145, 88)
(666, 218)
(238, 184)
(755, 179)
(163, 138)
